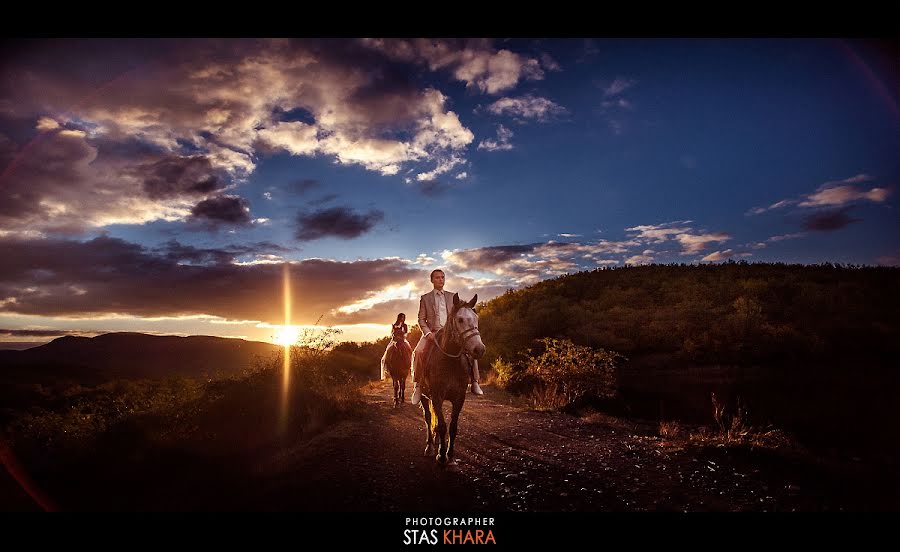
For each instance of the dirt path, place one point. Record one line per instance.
(510, 459)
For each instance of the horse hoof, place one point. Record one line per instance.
(429, 450)
(440, 459)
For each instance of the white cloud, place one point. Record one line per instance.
(832, 194)
(502, 142)
(474, 62)
(718, 256)
(695, 243)
(527, 107)
(46, 123)
(655, 233)
(644, 258)
(840, 195)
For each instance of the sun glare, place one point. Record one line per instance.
(287, 335)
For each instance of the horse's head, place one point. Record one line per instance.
(463, 325)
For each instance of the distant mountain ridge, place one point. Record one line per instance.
(129, 355)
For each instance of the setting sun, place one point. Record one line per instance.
(286, 335)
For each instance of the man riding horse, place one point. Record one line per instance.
(433, 309)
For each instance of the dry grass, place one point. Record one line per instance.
(732, 428)
(670, 430)
(547, 398)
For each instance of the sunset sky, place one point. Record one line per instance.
(160, 186)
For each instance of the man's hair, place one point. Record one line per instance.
(431, 277)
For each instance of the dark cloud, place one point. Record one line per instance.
(164, 129)
(492, 256)
(40, 333)
(341, 222)
(105, 275)
(53, 169)
(178, 252)
(66, 181)
(386, 312)
(432, 188)
(826, 221)
(381, 313)
(222, 210)
(176, 176)
(168, 127)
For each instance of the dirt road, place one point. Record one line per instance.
(509, 459)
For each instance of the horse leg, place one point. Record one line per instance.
(402, 390)
(441, 431)
(454, 422)
(396, 383)
(426, 410)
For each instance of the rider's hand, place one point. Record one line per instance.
(430, 336)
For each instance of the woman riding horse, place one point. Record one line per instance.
(396, 358)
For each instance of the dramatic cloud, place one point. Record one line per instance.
(340, 222)
(526, 264)
(485, 258)
(193, 120)
(825, 221)
(527, 107)
(474, 62)
(222, 210)
(105, 276)
(177, 252)
(691, 242)
(832, 194)
(502, 142)
(176, 176)
(381, 313)
(61, 183)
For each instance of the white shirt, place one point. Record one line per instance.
(441, 307)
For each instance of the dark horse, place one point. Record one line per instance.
(397, 364)
(446, 376)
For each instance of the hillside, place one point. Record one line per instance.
(733, 312)
(808, 349)
(88, 360)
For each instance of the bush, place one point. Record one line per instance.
(561, 375)
(578, 372)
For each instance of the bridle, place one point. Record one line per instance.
(462, 336)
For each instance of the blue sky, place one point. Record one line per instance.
(162, 186)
